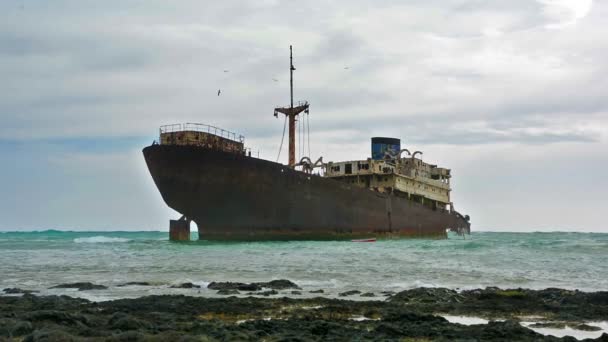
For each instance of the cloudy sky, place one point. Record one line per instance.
(509, 94)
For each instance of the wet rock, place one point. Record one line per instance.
(390, 330)
(426, 295)
(586, 327)
(267, 293)
(249, 287)
(228, 292)
(186, 286)
(553, 325)
(82, 286)
(281, 284)
(553, 304)
(135, 283)
(124, 322)
(16, 290)
(132, 336)
(233, 286)
(317, 291)
(509, 330)
(14, 328)
(22, 328)
(297, 293)
(48, 334)
(349, 293)
(56, 316)
(368, 294)
(264, 293)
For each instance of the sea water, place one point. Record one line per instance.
(39, 260)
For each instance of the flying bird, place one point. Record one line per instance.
(274, 79)
(226, 70)
(219, 91)
(346, 68)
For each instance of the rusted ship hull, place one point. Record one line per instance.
(234, 197)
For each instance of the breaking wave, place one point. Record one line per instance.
(100, 239)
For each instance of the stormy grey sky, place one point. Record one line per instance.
(510, 94)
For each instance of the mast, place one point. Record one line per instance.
(292, 117)
(291, 69)
(292, 112)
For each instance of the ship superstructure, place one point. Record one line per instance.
(399, 173)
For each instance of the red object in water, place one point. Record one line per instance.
(364, 240)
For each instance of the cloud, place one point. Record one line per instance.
(126, 76)
(564, 13)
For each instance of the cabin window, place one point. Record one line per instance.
(335, 168)
(348, 168)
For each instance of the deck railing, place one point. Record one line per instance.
(198, 127)
(295, 104)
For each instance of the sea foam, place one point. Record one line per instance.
(100, 239)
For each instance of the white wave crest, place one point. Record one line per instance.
(100, 239)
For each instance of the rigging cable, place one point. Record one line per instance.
(304, 133)
(298, 134)
(308, 124)
(282, 137)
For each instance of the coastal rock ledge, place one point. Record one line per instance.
(280, 284)
(409, 315)
(83, 286)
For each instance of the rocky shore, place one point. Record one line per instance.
(408, 315)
